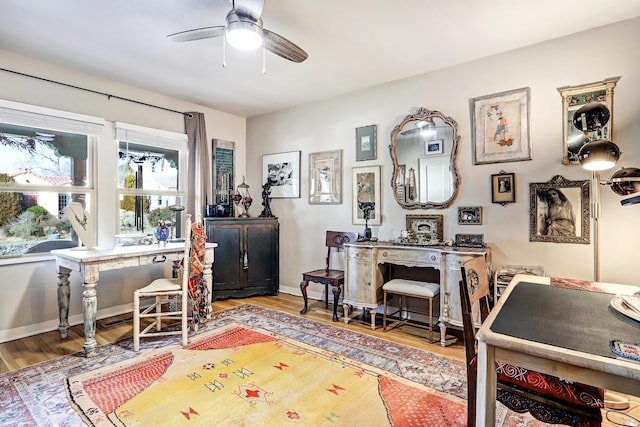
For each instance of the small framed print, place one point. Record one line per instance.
(427, 228)
(470, 240)
(470, 215)
(325, 177)
(503, 188)
(366, 143)
(435, 146)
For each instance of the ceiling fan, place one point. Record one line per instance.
(243, 30)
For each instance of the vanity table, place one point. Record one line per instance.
(364, 275)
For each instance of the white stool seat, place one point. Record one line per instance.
(412, 287)
(161, 285)
(409, 288)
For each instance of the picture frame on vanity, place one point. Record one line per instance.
(503, 188)
(559, 211)
(282, 171)
(366, 189)
(500, 127)
(325, 178)
(427, 228)
(366, 142)
(470, 215)
(470, 240)
(573, 98)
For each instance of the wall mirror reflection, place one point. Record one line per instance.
(424, 150)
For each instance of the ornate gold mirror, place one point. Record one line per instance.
(424, 148)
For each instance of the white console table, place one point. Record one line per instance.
(89, 263)
(364, 277)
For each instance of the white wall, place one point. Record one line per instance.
(29, 291)
(574, 60)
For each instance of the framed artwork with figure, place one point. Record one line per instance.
(559, 211)
(503, 189)
(282, 172)
(500, 127)
(366, 141)
(366, 189)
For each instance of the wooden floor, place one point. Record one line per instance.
(39, 348)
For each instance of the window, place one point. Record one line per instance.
(46, 161)
(151, 178)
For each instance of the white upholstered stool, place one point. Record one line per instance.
(414, 289)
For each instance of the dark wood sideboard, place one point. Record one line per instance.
(247, 256)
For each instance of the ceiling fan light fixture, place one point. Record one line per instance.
(243, 34)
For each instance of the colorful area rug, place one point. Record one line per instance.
(248, 366)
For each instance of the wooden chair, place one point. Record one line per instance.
(335, 241)
(519, 389)
(161, 289)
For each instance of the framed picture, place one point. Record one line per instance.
(435, 146)
(559, 211)
(366, 141)
(574, 97)
(282, 171)
(503, 188)
(470, 240)
(366, 189)
(500, 127)
(470, 215)
(427, 228)
(325, 177)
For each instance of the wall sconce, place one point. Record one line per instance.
(600, 154)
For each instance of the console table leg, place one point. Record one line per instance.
(89, 302)
(63, 301)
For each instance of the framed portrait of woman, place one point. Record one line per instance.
(559, 211)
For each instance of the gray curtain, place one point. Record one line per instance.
(199, 182)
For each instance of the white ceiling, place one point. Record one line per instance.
(352, 44)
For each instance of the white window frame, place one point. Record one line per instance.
(156, 138)
(27, 115)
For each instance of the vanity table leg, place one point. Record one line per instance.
(372, 314)
(444, 319)
(347, 312)
(63, 300)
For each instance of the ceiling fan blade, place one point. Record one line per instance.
(282, 47)
(250, 8)
(197, 34)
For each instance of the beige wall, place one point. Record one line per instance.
(574, 60)
(29, 296)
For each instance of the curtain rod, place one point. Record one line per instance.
(109, 96)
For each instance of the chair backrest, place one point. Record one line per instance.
(186, 259)
(336, 240)
(474, 287)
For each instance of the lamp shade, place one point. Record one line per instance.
(591, 117)
(599, 155)
(626, 181)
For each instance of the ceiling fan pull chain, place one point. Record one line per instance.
(224, 50)
(264, 59)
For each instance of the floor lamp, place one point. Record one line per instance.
(599, 154)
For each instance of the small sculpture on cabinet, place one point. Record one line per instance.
(266, 201)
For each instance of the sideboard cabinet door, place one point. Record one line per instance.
(247, 257)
